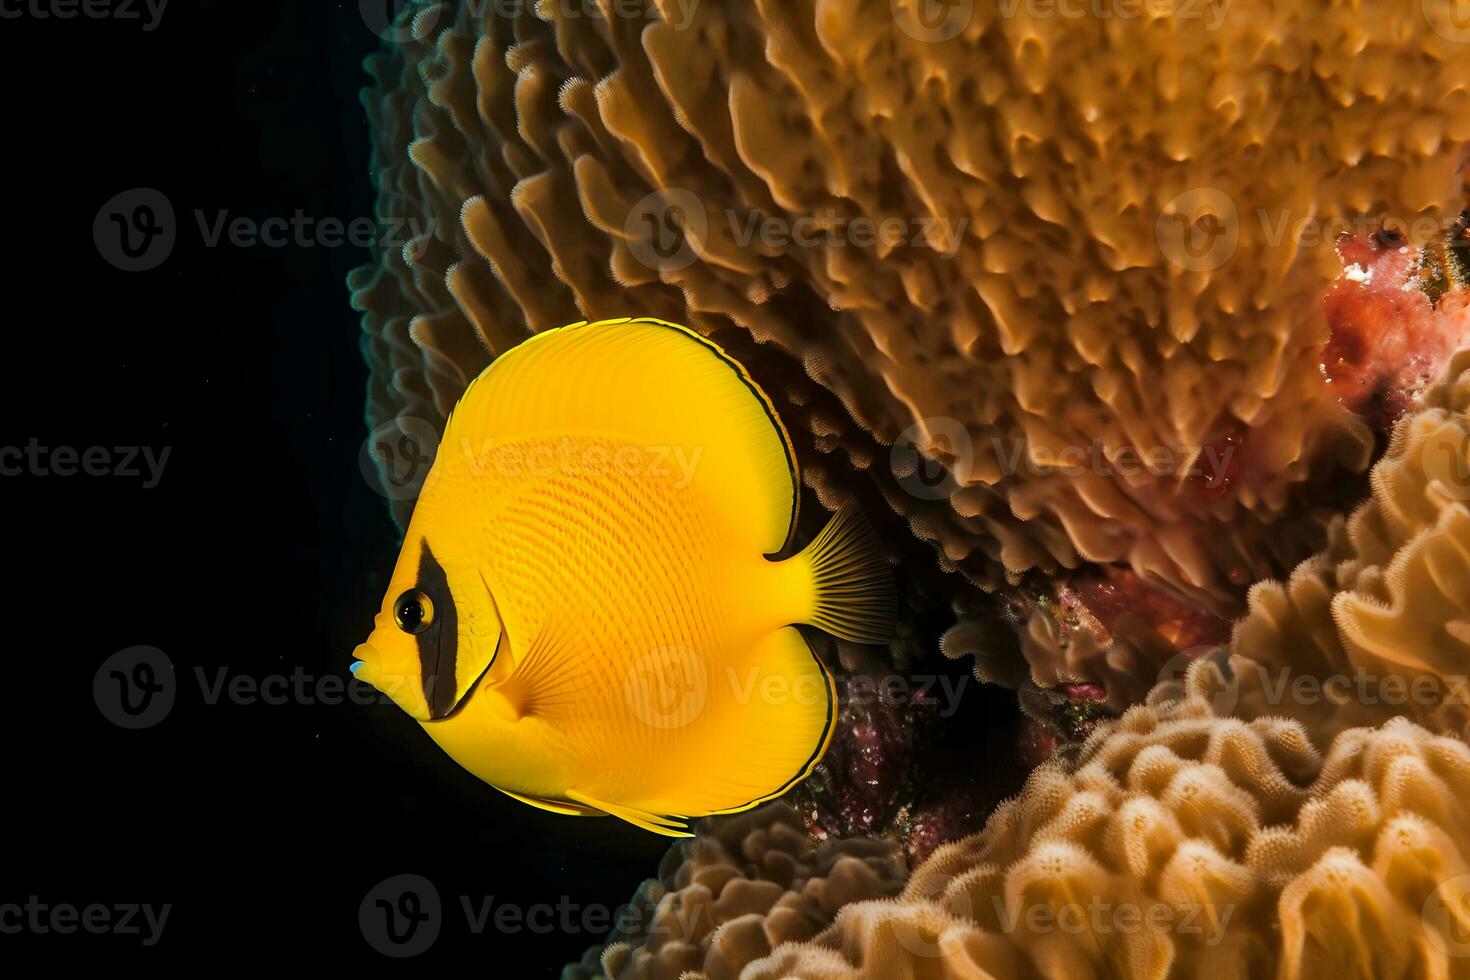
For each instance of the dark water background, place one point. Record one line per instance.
(261, 553)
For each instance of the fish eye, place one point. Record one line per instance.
(413, 611)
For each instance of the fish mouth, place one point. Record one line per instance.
(367, 666)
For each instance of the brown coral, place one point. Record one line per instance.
(1378, 624)
(1088, 257)
(1181, 843)
(741, 887)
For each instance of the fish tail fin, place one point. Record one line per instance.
(856, 598)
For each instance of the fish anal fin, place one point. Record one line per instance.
(556, 806)
(771, 742)
(652, 822)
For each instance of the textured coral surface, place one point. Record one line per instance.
(1382, 616)
(1180, 843)
(1086, 236)
(741, 887)
(1111, 313)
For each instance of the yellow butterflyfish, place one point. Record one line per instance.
(586, 614)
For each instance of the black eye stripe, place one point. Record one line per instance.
(439, 644)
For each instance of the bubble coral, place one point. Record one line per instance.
(1083, 246)
(741, 887)
(1185, 844)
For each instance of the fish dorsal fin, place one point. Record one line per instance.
(692, 410)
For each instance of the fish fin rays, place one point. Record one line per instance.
(554, 806)
(856, 598)
(668, 826)
(547, 679)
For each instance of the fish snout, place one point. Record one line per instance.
(403, 687)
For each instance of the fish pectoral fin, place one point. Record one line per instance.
(546, 682)
(567, 809)
(667, 826)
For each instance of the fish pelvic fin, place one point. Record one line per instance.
(554, 806)
(667, 826)
(855, 595)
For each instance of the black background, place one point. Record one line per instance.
(262, 553)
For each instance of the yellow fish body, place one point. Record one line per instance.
(583, 614)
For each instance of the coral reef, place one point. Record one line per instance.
(1076, 238)
(1378, 624)
(1185, 844)
(743, 886)
(1112, 314)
